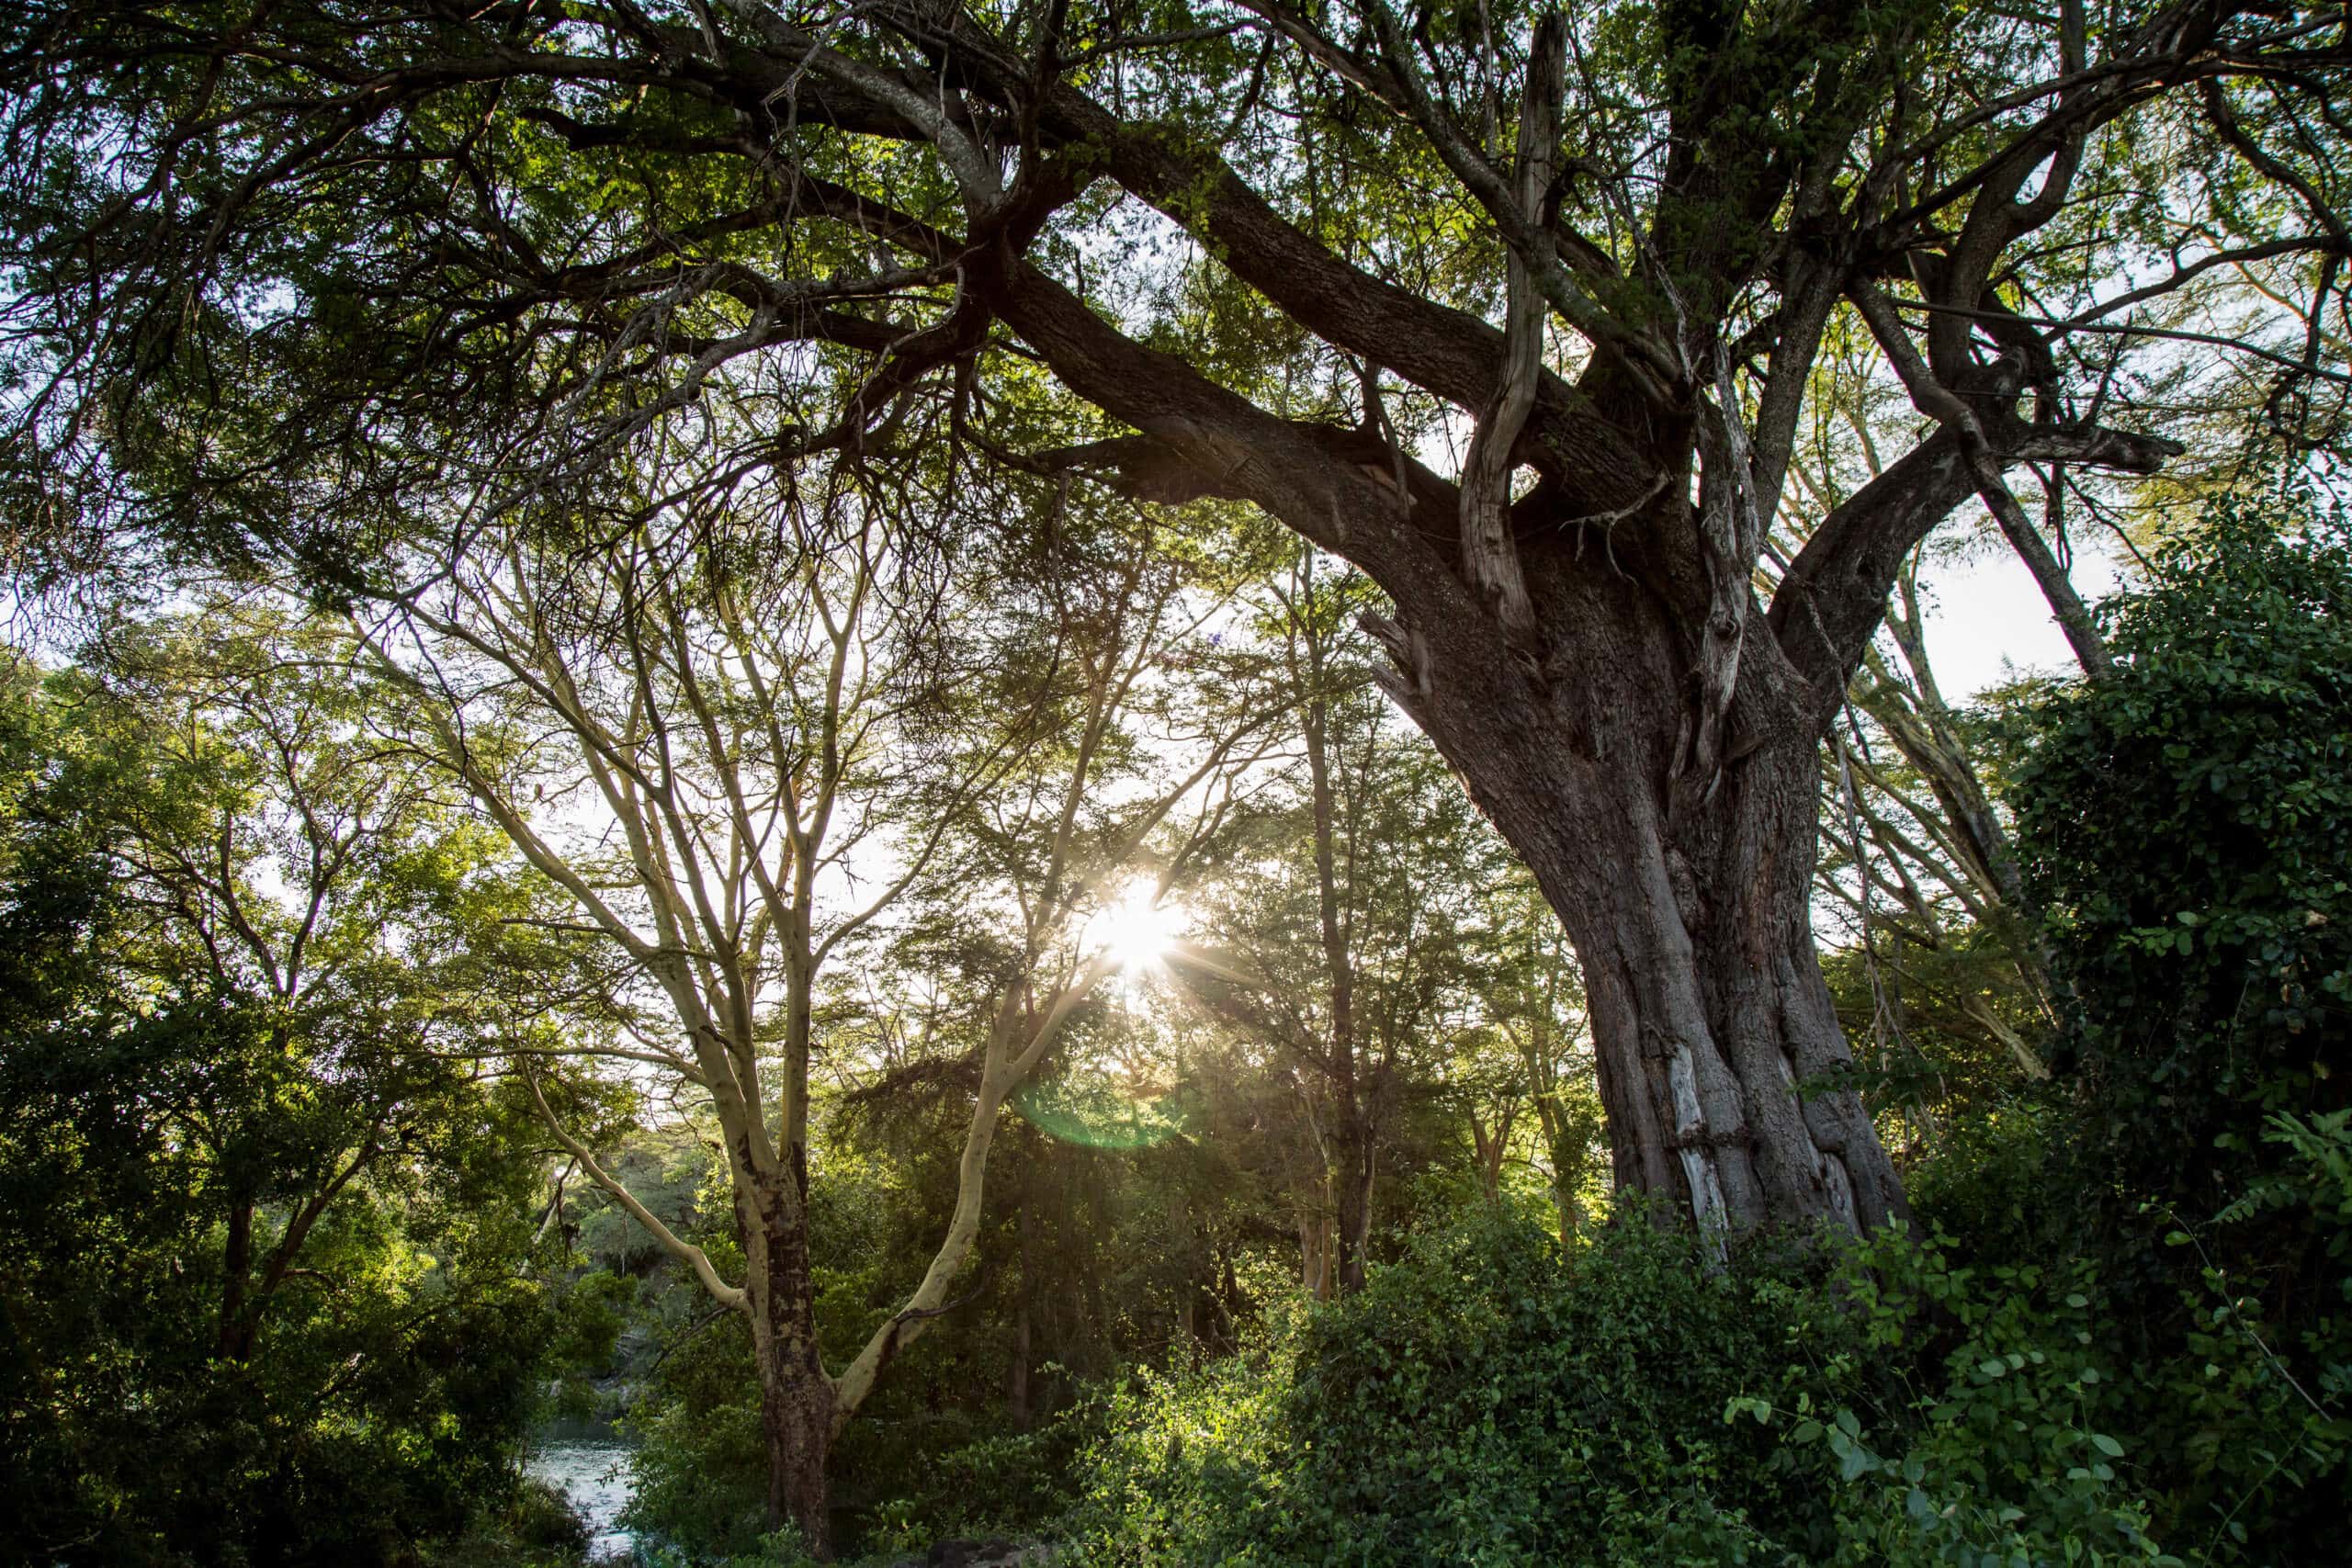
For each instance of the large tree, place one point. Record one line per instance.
(288, 261)
(753, 735)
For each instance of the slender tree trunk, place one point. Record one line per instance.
(233, 1343)
(1314, 1253)
(795, 1396)
(1569, 1216)
(1016, 1391)
(1492, 1148)
(1684, 888)
(1352, 1139)
(1230, 1302)
(1179, 1238)
(1551, 1117)
(1567, 1165)
(1351, 1174)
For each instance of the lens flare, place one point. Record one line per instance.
(1095, 1114)
(1134, 930)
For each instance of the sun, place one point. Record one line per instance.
(1135, 931)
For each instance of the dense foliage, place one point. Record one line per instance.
(2186, 825)
(1488, 1401)
(2119, 1334)
(263, 1302)
(1164, 772)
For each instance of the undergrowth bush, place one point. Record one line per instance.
(1486, 1400)
(2187, 827)
(901, 1480)
(1988, 1441)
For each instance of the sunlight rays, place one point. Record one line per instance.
(1136, 929)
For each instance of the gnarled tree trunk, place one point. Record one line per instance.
(1684, 890)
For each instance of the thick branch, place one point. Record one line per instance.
(1489, 556)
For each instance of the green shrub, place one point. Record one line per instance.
(542, 1516)
(2187, 825)
(1993, 1441)
(1487, 1401)
(701, 1469)
(1484, 1400)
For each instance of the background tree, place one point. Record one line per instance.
(1346, 906)
(1536, 998)
(266, 1198)
(742, 747)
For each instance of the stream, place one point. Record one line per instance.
(593, 1474)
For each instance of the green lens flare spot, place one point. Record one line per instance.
(1094, 1115)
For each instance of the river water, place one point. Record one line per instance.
(593, 1473)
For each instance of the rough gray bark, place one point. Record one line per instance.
(1706, 997)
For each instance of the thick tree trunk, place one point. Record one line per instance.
(795, 1396)
(796, 1418)
(1684, 889)
(1648, 743)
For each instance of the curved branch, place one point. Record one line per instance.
(731, 1297)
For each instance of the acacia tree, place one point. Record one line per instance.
(1920, 879)
(1348, 905)
(1609, 245)
(286, 860)
(1536, 1004)
(740, 730)
(1920, 876)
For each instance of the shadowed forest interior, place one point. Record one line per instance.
(1149, 782)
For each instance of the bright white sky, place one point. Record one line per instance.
(1987, 622)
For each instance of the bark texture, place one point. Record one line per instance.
(1687, 902)
(797, 1412)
